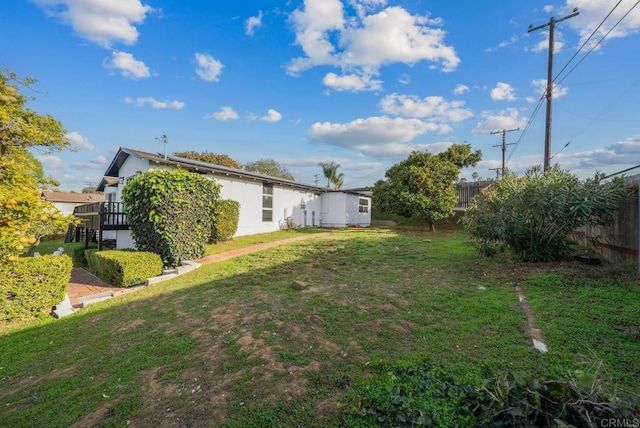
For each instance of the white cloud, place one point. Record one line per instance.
(99, 162)
(549, 8)
(103, 22)
(208, 68)
(540, 86)
(272, 116)
(503, 92)
(435, 108)
(592, 12)
(252, 23)
(154, 103)
(51, 162)
(506, 119)
(351, 82)
(225, 113)
(312, 26)
(543, 44)
(360, 45)
(405, 79)
(460, 89)
(128, 66)
(394, 35)
(363, 6)
(374, 136)
(313, 161)
(503, 44)
(78, 142)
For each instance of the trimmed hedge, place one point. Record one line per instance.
(31, 286)
(90, 257)
(225, 220)
(125, 268)
(170, 213)
(78, 255)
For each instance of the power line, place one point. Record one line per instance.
(598, 43)
(587, 40)
(526, 128)
(603, 111)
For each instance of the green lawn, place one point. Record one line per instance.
(233, 344)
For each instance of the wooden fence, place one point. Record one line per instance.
(467, 190)
(619, 240)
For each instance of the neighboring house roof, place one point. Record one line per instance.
(111, 181)
(363, 191)
(78, 198)
(196, 166)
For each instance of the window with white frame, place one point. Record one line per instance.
(363, 205)
(267, 202)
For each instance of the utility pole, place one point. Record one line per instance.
(163, 139)
(316, 178)
(549, 91)
(504, 144)
(497, 170)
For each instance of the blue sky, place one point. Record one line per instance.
(358, 82)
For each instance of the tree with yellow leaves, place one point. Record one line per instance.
(24, 215)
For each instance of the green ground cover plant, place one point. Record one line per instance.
(233, 344)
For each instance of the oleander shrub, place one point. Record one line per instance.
(225, 220)
(170, 213)
(126, 268)
(534, 215)
(31, 286)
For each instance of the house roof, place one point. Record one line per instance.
(80, 198)
(196, 166)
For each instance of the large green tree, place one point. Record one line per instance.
(209, 157)
(24, 215)
(269, 167)
(423, 186)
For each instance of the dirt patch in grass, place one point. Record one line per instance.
(102, 413)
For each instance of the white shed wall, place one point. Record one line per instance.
(334, 210)
(354, 216)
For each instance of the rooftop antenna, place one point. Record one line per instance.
(164, 140)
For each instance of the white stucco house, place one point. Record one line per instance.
(265, 202)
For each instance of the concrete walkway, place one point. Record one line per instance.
(83, 284)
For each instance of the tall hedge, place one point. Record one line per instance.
(31, 286)
(225, 220)
(169, 213)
